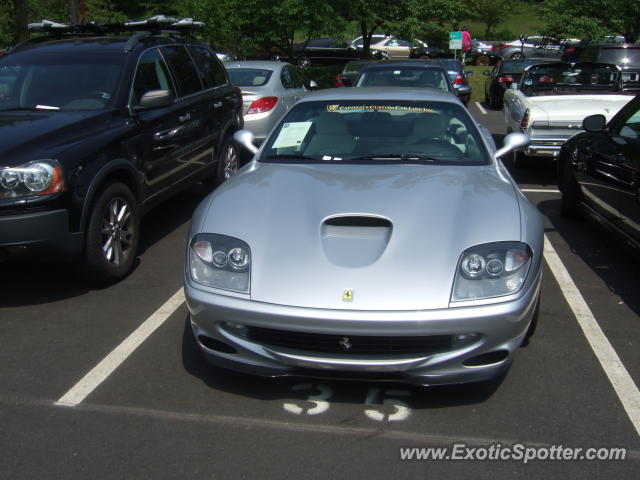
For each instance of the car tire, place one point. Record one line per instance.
(303, 62)
(228, 161)
(571, 196)
(517, 56)
(483, 61)
(113, 234)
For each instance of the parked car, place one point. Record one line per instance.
(553, 98)
(350, 72)
(363, 241)
(626, 56)
(423, 50)
(326, 51)
(97, 128)
(269, 89)
(458, 76)
(358, 42)
(505, 73)
(481, 54)
(599, 170)
(405, 74)
(534, 46)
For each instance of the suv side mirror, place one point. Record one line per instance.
(312, 85)
(594, 123)
(155, 99)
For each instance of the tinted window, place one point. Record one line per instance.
(183, 68)
(59, 82)
(620, 56)
(249, 77)
(296, 78)
(285, 78)
(152, 74)
(212, 70)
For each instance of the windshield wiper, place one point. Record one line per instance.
(291, 156)
(404, 157)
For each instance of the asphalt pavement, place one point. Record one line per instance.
(144, 403)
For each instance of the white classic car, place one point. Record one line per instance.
(552, 99)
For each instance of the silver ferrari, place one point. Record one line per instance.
(375, 234)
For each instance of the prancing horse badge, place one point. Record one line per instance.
(347, 295)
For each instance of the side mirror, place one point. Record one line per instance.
(513, 141)
(312, 85)
(594, 123)
(155, 99)
(245, 139)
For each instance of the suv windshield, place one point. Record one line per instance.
(58, 82)
(377, 131)
(566, 78)
(401, 76)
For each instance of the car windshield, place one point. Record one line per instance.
(58, 82)
(511, 68)
(377, 131)
(620, 56)
(566, 78)
(249, 77)
(402, 76)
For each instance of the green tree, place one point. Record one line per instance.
(592, 18)
(490, 12)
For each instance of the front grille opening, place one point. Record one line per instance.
(352, 344)
(489, 358)
(357, 221)
(217, 345)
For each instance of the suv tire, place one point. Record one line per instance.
(113, 233)
(228, 161)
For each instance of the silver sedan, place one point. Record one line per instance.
(269, 89)
(375, 234)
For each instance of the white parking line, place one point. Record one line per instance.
(619, 377)
(482, 110)
(112, 361)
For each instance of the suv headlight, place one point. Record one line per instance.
(220, 261)
(491, 270)
(39, 177)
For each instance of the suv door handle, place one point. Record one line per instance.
(217, 105)
(185, 117)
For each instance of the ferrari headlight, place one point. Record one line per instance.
(220, 261)
(491, 270)
(40, 177)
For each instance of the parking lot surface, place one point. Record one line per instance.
(150, 406)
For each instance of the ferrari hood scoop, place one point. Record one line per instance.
(355, 240)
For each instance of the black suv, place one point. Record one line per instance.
(97, 127)
(624, 55)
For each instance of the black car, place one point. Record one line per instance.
(425, 51)
(350, 72)
(95, 129)
(599, 169)
(481, 54)
(326, 51)
(501, 77)
(626, 56)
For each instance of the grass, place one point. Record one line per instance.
(526, 20)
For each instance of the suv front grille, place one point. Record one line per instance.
(351, 344)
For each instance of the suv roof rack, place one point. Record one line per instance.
(151, 26)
